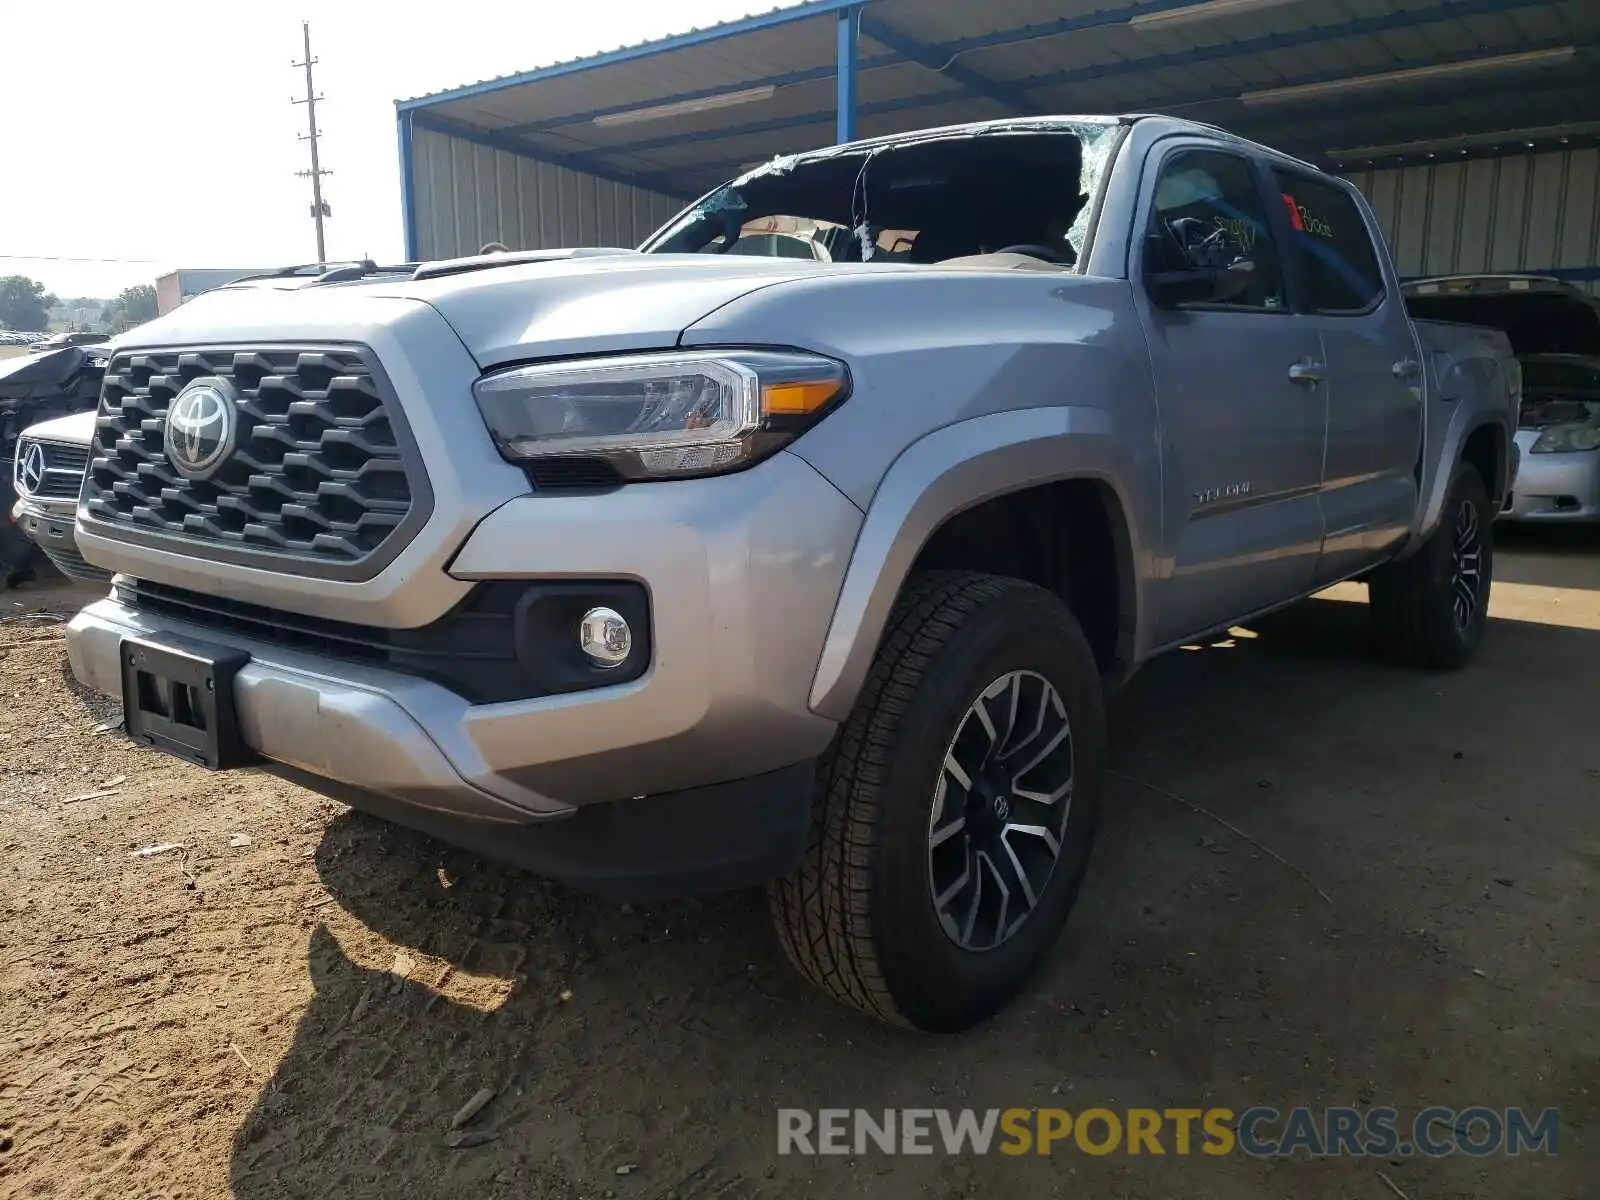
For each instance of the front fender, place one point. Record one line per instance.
(952, 469)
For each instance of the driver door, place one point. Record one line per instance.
(1241, 401)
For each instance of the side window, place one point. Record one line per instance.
(1332, 249)
(1220, 191)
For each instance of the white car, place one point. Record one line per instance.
(47, 473)
(1554, 328)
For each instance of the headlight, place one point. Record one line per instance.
(660, 416)
(1562, 439)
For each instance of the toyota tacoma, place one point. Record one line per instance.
(678, 569)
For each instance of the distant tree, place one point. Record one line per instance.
(24, 304)
(134, 306)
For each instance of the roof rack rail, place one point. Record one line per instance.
(315, 268)
(359, 270)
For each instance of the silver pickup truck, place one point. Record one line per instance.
(684, 569)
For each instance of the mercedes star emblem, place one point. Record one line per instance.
(30, 468)
(202, 425)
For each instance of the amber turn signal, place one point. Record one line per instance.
(798, 399)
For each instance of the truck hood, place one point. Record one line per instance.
(1539, 315)
(519, 312)
(592, 305)
(575, 303)
(49, 372)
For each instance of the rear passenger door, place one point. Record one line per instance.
(1240, 398)
(1374, 371)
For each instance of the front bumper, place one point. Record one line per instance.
(1554, 487)
(743, 572)
(49, 525)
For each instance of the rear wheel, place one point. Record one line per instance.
(955, 810)
(1431, 609)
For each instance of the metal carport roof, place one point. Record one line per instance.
(1348, 83)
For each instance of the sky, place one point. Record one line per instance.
(161, 133)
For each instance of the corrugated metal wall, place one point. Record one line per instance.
(1526, 213)
(467, 195)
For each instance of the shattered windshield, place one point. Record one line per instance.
(1018, 190)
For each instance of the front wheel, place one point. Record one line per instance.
(955, 810)
(1431, 609)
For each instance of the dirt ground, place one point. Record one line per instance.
(296, 1002)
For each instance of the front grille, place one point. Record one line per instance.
(63, 470)
(318, 476)
(64, 467)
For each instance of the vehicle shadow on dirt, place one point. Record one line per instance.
(644, 1051)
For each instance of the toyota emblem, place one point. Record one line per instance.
(202, 426)
(30, 467)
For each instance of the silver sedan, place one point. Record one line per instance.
(1559, 436)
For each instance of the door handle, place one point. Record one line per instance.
(1306, 372)
(1407, 368)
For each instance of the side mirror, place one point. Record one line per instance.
(1193, 262)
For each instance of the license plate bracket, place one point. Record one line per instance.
(177, 696)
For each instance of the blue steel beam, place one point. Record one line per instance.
(408, 188)
(1113, 16)
(944, 52)
(903, 49)
(937, 60)
(1451, 10)
(652, 180)
(848, 31)
(695, 37)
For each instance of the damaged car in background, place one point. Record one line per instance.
(43, 451)
(1554, 330)
(47, 474)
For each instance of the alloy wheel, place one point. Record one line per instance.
(1000, 810)
(1466, 579)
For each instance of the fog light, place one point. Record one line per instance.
(605, 637)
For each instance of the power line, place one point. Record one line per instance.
(74, 258)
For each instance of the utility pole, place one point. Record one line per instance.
(319, 206)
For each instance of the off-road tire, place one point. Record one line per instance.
(857, 918)
(1414, 621)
